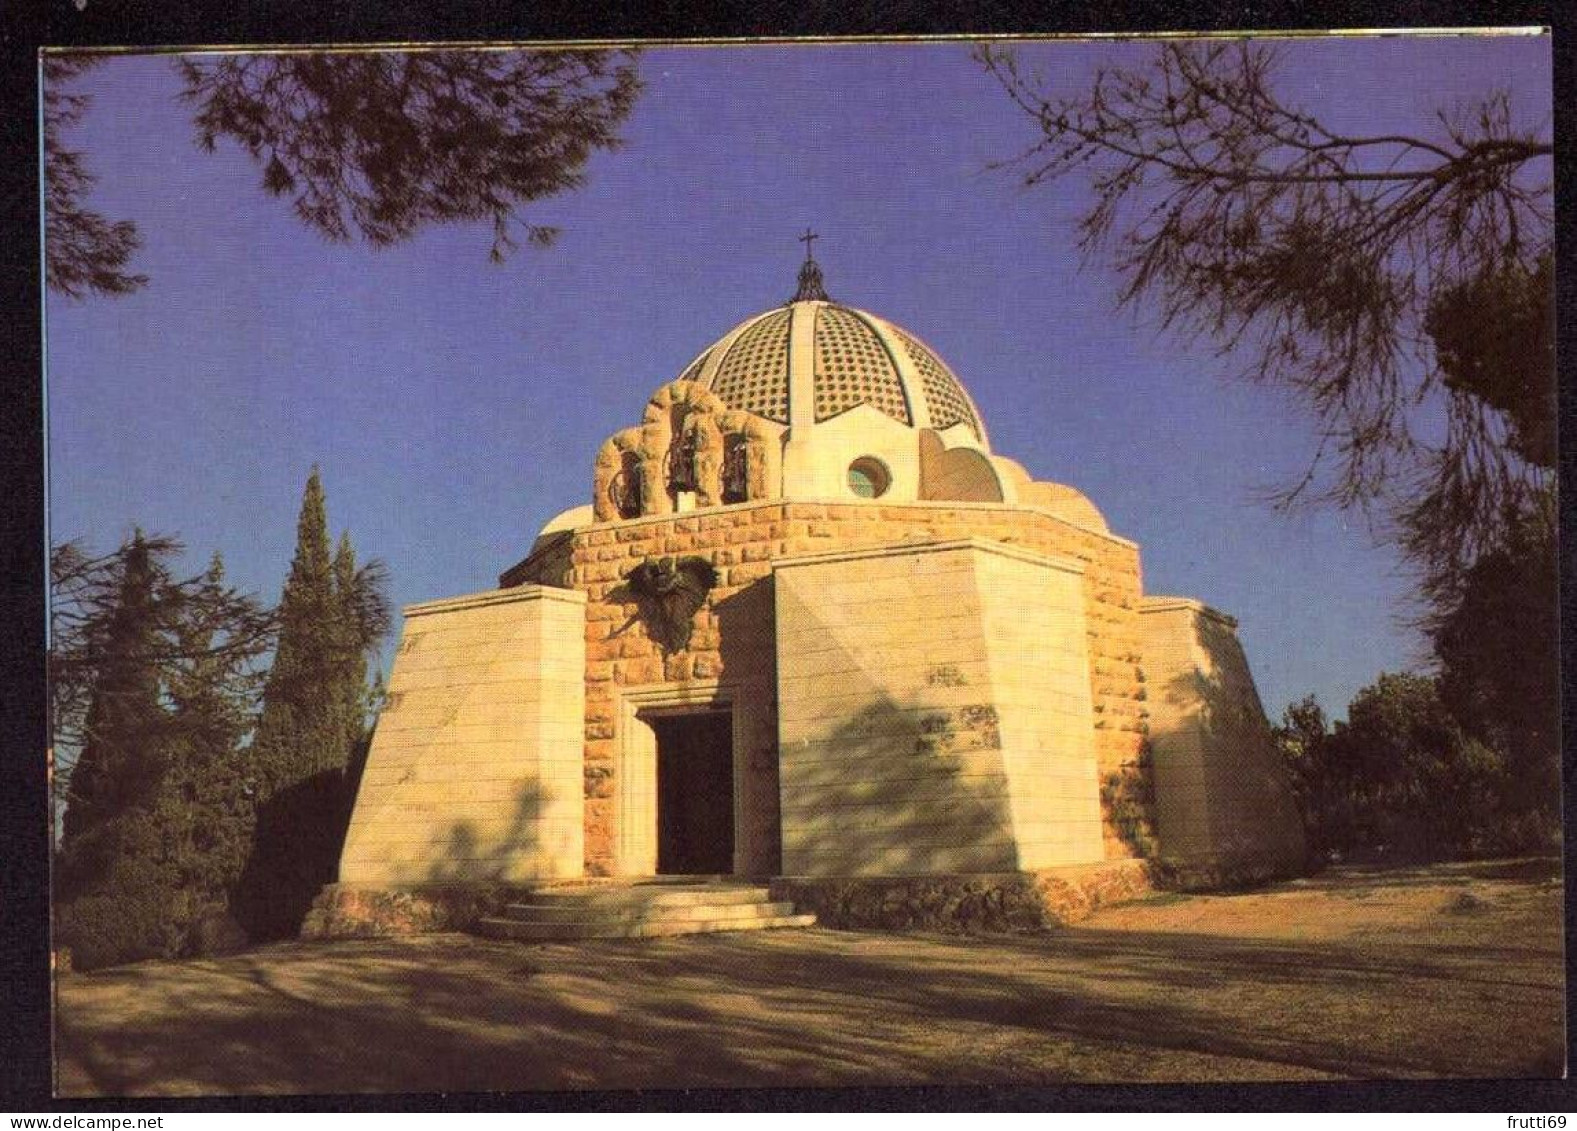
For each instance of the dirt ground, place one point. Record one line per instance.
(1446, 971)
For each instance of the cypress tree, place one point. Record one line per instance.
(360, 622)
(301, 731)
(312, 718)
(352, 658)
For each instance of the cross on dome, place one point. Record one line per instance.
(806, 240)
(810, 285)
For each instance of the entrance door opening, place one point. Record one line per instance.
(695, 793)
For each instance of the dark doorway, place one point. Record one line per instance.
(695, 793)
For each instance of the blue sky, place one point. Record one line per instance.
(454, 406)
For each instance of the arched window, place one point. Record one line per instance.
(679, 464)
(624, 491)
(736, 481)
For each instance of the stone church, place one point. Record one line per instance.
(811, 632)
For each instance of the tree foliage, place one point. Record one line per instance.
(1402, 775)
(1494, 339)
(1424, 780)
(153, 684)
(129, 641)
(1300, 739)
(210, 787)
(175, 825)
(363, 621)
(1499, 652)
(124, 722)
(300, 731)
(85, 253)
(1352, 269)
(380, 144)
(371, 144)
(313, 717)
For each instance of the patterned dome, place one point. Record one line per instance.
(846, 357)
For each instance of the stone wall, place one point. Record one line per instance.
(1033, 619)
(732, 643)
(1225, 813)
(352, 911)
(934, 711)
(475, 768)
(988, 904)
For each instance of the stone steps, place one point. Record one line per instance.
(641, 910)
(534, 913)
(651, 928)
(641, 897)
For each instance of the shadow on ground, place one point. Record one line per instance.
(1429, 996)
(1361, 876)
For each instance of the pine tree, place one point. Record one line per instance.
(207, 801)
(120, 759)
(157, 819)
(112, 897)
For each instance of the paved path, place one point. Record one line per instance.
(1428, 972)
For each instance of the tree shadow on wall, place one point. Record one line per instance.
(297, 841)
(902, 788)
(747, 652)
(468, 854)
(1248, 803)
(746, 643)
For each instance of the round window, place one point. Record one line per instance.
(869, 477)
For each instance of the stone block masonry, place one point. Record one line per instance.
(967, 904)
(934, 712)
(733, 640)
(475, 771)
(906, 666)
(1225, 812)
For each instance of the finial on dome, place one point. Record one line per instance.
(810, 286)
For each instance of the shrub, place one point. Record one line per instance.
(1128, 804)
(1400, 778)
(129, 925)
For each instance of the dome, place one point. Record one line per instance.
(812, 360)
